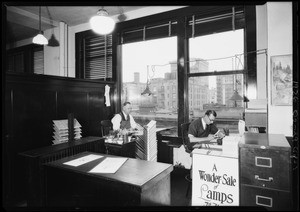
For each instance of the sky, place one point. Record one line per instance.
(159, 53)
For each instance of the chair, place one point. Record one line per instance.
(106, 126)
(188, 149)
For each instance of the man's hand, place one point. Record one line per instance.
(210, 137)
(219, 134)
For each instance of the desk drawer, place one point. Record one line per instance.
(269, 198)
(265, 168)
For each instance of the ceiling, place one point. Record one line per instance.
(23, 21)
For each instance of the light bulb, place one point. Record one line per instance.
(101, 23)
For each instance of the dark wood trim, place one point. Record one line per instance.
(182, 69)
(55, 80)
(215, 73)
(250, 46)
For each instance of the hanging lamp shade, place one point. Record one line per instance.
(246, 99)
(146, 91)
(40, 38)
(53, 41)
(236, 97)
(102, 23)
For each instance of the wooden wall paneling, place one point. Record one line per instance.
(76, 103)
(34, 110)
(7, 147)
(97, 110)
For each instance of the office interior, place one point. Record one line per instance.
(62, 80)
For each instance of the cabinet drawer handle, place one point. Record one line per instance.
(263, 162)
(268, 180)
(264, 201)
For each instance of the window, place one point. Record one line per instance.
(26, 59)
(188, 24)
(219, 58)
(94, 56)
(151, 60)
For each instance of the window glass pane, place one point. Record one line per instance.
(223, 93)
(153, 61)
(217, 52)
(38, 61)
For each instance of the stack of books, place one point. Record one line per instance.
(146, 144)
(61, 131)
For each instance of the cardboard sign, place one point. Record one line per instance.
(215, 179)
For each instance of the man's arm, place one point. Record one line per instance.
(203, 140)
(116, 121)
(132, 122)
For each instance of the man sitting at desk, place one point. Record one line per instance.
(123, 121)
(202, 130)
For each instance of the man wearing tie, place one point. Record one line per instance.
(203, 130)
(123, 121)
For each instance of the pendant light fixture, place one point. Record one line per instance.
(147, 89)
(40, 38)
(53, 42)
(102, 23)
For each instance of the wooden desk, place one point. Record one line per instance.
(166, 141)
(37, 157)
(137, 182)
(124, 150)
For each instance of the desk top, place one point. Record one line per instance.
(135, 172)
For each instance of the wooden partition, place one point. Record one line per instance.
(31, 103)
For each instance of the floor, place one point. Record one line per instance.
(180, 194)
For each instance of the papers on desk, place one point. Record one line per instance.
(109, 165)
(83, 160)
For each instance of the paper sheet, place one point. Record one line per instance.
(83, 160)
(109, 165)
(106, 94)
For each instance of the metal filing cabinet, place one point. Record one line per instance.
(265, 171)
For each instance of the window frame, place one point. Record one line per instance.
(181, 18)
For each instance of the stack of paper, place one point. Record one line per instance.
(77, 130)
(61, 131)
(230, 146)
(146, 145)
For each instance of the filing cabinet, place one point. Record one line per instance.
(265, 171)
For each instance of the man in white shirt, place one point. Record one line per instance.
(123, 121)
